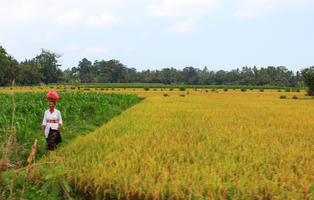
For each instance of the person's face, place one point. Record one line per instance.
(51, 105)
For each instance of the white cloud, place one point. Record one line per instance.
(178, 8)
(43, 36)
(190, 10)
(102, 20)
(259, 8)
(69, 17)
(130, 49)
(65, 12)
(96, 50)
(71, 48)
(182, 26)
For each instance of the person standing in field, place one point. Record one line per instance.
(51, 126)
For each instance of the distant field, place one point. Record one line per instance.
(197, 144)
(158, 85)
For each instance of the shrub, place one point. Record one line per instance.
(146, 88)
(182, 88)
(283, 97)
(171, 89)
(288, 90)
(166, 95)
(294, 97)
(226, 89)
(298, 90)
(101, 88)
(155, 89)
(279, 90)
(206, 90)
(261, 90)
(182, 95)
(243, 89)
(213, 90)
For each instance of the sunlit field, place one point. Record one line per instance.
(196, 144)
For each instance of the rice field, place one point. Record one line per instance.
(197, 144)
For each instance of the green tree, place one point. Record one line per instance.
(308, 78)
(4, 67)
(29, 73)
(49, 66)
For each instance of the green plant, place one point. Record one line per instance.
(55, 182)
(283, 97)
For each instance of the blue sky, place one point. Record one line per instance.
(219, 34)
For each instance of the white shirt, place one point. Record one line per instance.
(56, 115)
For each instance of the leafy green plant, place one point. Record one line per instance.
(55, 182)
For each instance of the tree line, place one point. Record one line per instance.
(45, 68)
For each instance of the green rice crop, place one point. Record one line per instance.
(81, 113)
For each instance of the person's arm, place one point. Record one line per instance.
(59, 121)
(43, 125)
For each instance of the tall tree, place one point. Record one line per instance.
(49, 66)
(308, 78)
(85, 71)
(4, 67)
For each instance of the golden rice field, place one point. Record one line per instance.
(204, 145)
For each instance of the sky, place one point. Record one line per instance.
(155, 34)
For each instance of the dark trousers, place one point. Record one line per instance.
(54, 138)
